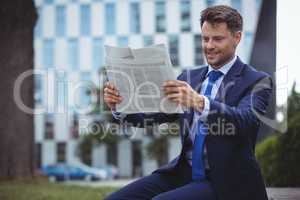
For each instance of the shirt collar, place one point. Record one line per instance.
(225, 68)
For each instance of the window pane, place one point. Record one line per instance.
(48, 53)
(248, 44)
(198, 50)
(173, 49)
(85, 19)
(73, 53)
(38, 155)
(258, 5)
(122, 41)
(60, 20)
(210, 2)
(38, 26)
(185, 15)
(49, 127)
(237, 4)
(110, 18)
(85, 92)
(148, 40)
(38, 90)
(160, 16)
(112, 154)
(97, 53)
(74, 134)
(61, 152)
(135, 17)
(48, 1)
(61, 89)
(137, 158)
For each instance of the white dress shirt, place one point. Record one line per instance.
(203, 115)
(199, 115)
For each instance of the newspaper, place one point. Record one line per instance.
(139, 74)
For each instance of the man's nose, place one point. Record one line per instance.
(209, 45)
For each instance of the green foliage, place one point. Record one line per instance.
(158, 149)
(293, 103)
(279, 155)
(267, 155)
(49, 191)
(100, 133)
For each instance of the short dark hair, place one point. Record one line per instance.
(222, 13)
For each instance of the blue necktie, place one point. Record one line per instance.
(198, 168)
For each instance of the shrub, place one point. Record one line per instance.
(279, 156)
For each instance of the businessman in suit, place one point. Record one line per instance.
(218, 130)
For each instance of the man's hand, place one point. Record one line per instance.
(111, 96)
(182, 93)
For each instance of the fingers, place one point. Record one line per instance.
(174, 83)
(173, 86)
(174, 96)
(110, 85)
(111, 95)
(170, 90)
(111, 99)
(110, 89)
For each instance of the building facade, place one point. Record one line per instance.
(68, 44)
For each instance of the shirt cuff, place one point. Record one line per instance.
(118, 115)
(202, 116)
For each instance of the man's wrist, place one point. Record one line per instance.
(199, 103)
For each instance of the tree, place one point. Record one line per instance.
(16, 56)
(158, 148)
(279, 155)
(99, 132)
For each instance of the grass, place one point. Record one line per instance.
(42, 190)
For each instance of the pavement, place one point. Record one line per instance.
(283, 193)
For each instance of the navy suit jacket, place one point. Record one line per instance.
(242, 97)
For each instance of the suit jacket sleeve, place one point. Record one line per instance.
(245, 116)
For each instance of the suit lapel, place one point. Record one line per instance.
(196, 81)
(198, 78)
(230, 81)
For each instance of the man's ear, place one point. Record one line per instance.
(237, 38)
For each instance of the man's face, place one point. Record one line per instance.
(219, 43)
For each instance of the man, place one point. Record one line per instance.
(225, 100)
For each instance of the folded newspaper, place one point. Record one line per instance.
(139, 74)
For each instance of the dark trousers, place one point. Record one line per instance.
(173, 185)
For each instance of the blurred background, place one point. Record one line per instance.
(68, 45)
(60, 127)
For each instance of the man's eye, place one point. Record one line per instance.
(218, 39)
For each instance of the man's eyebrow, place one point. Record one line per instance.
(219, 36)
(214, 36)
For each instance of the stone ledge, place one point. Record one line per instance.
(283, 193)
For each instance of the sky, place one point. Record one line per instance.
(288, 42)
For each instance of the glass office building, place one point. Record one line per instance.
(68, 44)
